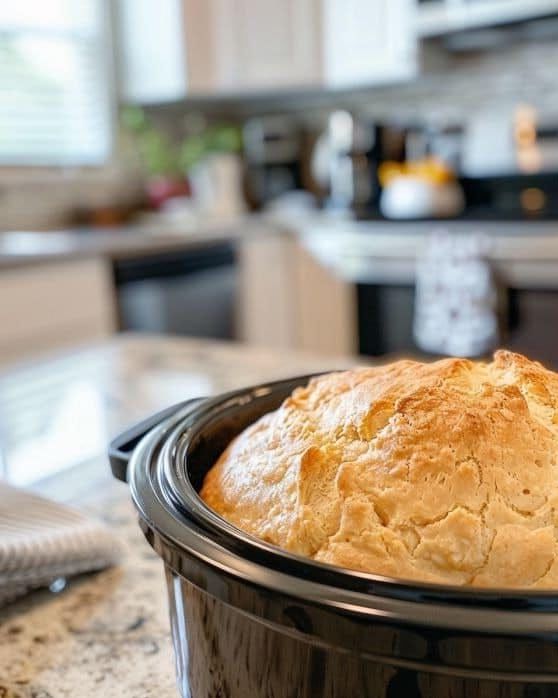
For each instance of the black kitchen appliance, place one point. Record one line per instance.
(252, 621)
(187, 292)
(509, 164)
(273, 152)
(506, 162)
(511, 197)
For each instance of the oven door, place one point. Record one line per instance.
(188, 293)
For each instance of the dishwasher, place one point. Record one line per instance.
(188, 292)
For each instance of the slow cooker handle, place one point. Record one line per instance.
(121, 448)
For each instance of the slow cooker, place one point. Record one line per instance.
(250, 620)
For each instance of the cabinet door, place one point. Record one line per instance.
(368, 41)
(151, 41)
(325, 310)
(52, 305)
(267, 292)
(265, 44)
(289, 300)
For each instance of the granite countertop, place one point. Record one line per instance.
(524, 253)
(105, 634)
(21, 248)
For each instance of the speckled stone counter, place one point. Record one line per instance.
(121, 242)
(105, 634)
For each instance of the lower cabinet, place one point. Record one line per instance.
(50, 305)
(289, 300)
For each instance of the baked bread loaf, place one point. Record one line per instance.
(444, 472)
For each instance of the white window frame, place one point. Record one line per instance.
(10, 166)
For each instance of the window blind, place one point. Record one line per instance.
(55, 96)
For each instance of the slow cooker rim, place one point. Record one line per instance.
(492, 622)
(175, 476)
(182, 425)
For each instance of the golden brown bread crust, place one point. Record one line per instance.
(443, 472)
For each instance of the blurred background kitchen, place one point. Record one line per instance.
(369, 177)
(324, 181)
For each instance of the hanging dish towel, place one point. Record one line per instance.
(42, 542)
(456, 299)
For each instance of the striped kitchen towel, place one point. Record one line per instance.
(43, 542)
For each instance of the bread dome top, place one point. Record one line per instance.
(443, 472)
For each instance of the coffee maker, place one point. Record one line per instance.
(273, 157)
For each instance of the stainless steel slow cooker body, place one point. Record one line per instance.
(252, 621)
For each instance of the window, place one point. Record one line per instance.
(54, 82)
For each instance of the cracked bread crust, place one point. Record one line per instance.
(443, 472)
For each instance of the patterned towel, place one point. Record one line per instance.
(42, 542)
(456, 297)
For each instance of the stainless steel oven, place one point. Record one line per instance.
(192, 292)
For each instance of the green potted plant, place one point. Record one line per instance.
(158, 157)
(181, 168)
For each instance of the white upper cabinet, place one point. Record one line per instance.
(212, 47)
(368, 41)
(149, 39)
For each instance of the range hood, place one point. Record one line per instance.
(440, 17)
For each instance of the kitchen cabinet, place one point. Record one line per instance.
(289, 300)
(262, 43)
(150, 40)
(242, 45)
(50, 305)
(231, 47)
(368, 42)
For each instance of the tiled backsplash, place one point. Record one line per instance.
(41, 198)
(453, 85)
(450, 86)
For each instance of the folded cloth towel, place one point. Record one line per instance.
(456, 298)
(43, 541)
